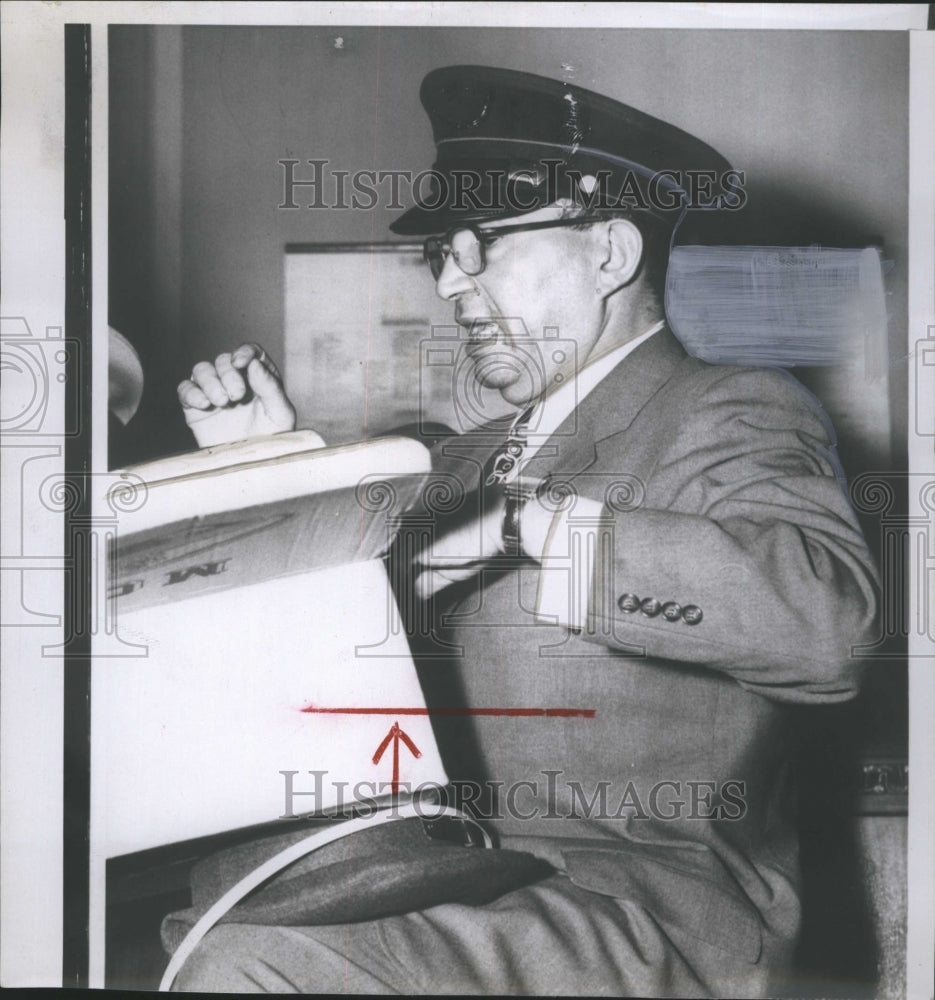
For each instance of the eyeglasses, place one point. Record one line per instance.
(467, 244)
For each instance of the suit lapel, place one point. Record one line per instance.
(609, 408)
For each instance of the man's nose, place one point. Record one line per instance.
(452, 281)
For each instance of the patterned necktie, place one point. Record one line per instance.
(507, 458)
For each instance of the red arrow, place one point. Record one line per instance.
(395, 734)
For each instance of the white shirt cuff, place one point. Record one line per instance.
(569, 561)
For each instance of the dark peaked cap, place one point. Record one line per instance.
(506, 141)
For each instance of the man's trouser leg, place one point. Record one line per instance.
(549, 938)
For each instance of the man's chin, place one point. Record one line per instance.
(514, 390)
(505, 371)
(495, 368)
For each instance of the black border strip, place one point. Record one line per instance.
(77, 609)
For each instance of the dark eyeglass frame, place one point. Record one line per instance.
(437, 249)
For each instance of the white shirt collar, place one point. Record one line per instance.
(550, 411)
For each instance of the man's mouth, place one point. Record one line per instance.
(481, 334)
(491, 349)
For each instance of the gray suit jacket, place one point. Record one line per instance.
(671, 788)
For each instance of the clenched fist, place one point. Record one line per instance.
(239, 396)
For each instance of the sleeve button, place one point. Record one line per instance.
(628, 603)
(671, 611)
(691, 614)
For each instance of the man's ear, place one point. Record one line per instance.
(623, 251)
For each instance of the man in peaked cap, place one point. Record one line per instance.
(657, 552)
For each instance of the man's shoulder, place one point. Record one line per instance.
(698, 404)
(662, 366)
(708, 385)
(738, 410)
(665, 375)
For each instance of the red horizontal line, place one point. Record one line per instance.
(549, 713)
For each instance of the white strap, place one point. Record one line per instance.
(285, 858)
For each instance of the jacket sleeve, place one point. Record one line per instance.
(744, 555)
